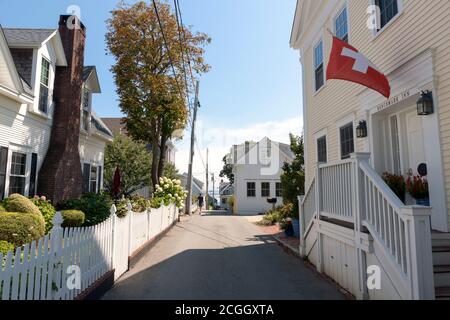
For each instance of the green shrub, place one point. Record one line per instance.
(138, 204)
(5, 247)
(96, 207)
(121, 208)
(47, 210)
(2, 208)
(19, 203)
(20, 228)
(72, 218)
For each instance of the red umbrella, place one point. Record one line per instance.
(117, 182)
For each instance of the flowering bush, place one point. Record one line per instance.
(417, 187)
(396, 183)
(169, 191)
(47, 210)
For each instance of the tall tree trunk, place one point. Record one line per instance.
(155, 154)
(162, 156)
(155, 158)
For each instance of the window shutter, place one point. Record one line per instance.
(86, 176)
(3, 167)
(32, 190)
(99, 182)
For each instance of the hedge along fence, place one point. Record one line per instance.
(66, 262)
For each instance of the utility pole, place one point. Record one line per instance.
(191, 154)
(212, 178)
(207, 179)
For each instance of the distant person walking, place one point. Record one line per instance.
(200, 202)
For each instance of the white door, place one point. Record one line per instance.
(415, 143)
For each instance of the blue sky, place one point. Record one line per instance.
(253, 88)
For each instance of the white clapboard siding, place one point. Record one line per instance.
(46, 269)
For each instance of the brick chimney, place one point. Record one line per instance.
(60, 177)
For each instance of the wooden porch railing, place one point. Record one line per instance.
(352, 191)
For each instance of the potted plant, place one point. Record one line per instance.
(417, 187)
(397, 184)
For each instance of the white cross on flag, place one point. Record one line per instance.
(346, 63)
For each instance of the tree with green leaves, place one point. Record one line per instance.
(293, 176)
(171, 172)
(227, 171)
(153, 53)
(134, 161)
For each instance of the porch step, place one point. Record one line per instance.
(442, 293)
(442, 276)
(441, 255)
(440, 239)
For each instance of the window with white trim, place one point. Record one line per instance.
(17, 175)
(388, 10)
(341, 25)
(278, 189)
(318, 66)
(265, 189)
(44, 86)
(347, 141)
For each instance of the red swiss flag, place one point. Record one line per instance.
(346, 63)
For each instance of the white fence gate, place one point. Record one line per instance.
(66, 262)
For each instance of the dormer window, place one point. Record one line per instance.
(44, 86)
(85, 114)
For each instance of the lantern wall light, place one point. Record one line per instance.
(361, 129)
(425, 105)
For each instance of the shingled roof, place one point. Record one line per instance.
(29, 37)
(87, 70)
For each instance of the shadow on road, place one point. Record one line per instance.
(260, 271)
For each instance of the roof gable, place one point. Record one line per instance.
(90, 77)
(255, 148)
(9, 77)
(36, 38)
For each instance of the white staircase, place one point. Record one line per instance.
(376, 228)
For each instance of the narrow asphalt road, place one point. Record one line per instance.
(220, 257)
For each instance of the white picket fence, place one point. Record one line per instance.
(48, 269)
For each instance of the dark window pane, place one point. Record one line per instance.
(93, 179)
(322, 150)
(86, 175)
(278, 190)
(347, 143)
(43, 99)
(319, 77)
(32, 191)
(251, 189)
(18, 164)
(388, 10)
(265, 189)
(341, 26)
(99, 181)
(16, 185)
(3, 167)
(45, 71)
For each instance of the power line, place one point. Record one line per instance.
(200, 153)
(167, 48)
(182, 49)
(184, 38)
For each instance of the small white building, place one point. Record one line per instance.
(226, 191)
(257, 167)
